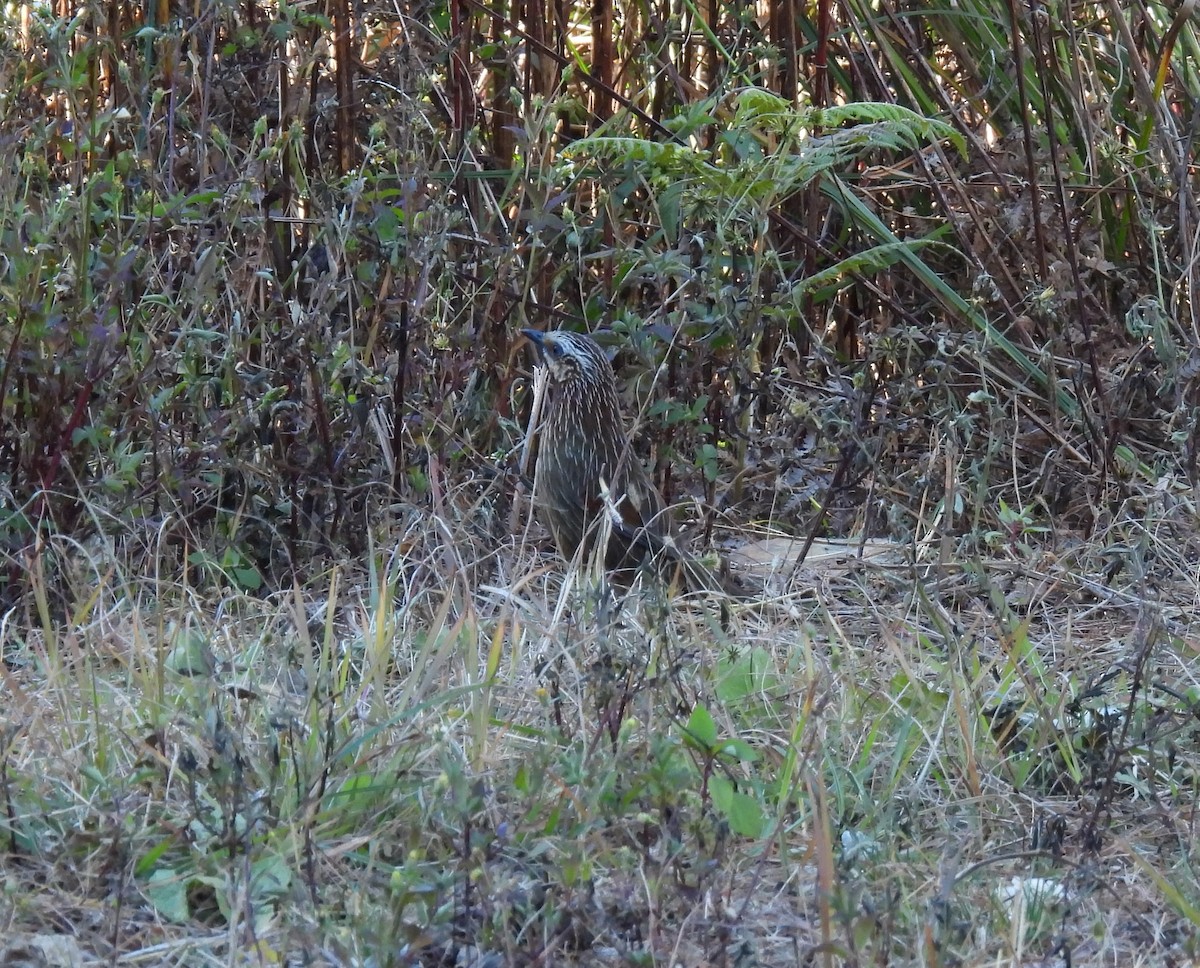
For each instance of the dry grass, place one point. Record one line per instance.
(257, 292)
(953, 763)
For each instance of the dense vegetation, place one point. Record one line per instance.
(289, 675)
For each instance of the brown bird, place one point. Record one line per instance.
(586, 468)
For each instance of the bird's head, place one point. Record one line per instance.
(571, 357)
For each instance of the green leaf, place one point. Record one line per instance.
(148, 862)
(744, 813)
(738, 749)
(387, 224)
(701, 729)
(750, 675)
(270, 878)
(191, 655)
(355, 786)
(167, 891)
(248, 579)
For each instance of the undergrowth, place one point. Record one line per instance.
(287, 673)
(890, 764)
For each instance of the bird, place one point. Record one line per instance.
(586, 469)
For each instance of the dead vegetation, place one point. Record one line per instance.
(288, 678)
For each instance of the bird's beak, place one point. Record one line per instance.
(537, 338)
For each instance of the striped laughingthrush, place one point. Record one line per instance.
(586, 469)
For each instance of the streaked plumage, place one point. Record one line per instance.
(583, 448)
